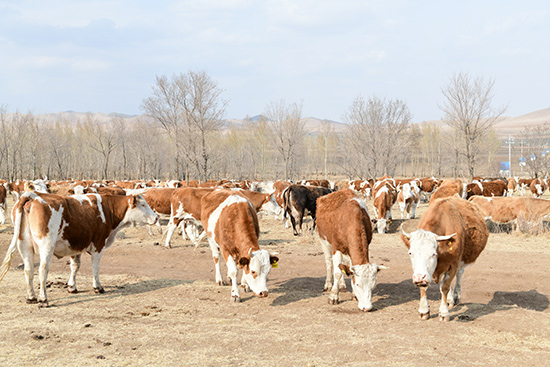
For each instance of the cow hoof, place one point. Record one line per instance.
(333, 301)
(31, 301)
(425, 316)
(72, 289)
(43, 304)
(235, 299)
(353, 297)
(99, 290)
(445, 318)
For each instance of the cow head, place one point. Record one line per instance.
(139, 212)
(363, 282)
(270, 206)
(423, 249)
(256, 268)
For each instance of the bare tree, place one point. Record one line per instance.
(288, 128)
(190, 109)
(103, 139)
(467, 110)
(376, 134)
(536, 145)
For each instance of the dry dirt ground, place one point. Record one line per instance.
(162, 308)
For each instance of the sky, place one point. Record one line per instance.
(104, 55)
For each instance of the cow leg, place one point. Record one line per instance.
(244, 285)
(232, 274)
(46, 253)
(402, 208)
(413, 210)
(424, 308)
(169, 232)
(75, 265)
(444, 288)
(216, 258)
(27, 254)
(96, 259)
(327, 251)
(334, 296)
(293, 222)
(456, 294)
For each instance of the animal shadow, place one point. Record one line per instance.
(502, 301)
(297, 289)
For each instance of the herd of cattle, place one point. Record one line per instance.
(71, 217)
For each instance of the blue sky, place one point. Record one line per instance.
(103, 56)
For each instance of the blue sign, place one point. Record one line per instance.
(504, 166)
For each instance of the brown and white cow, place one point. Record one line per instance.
(297, 199)
(68, 226)
(428, 185)
(385, 195)
(512, 186)
(537, 187)
(524, 184)
(364, 187)
(486, 188)
(345, 232)
(451, 235)
(508, 209)
(408, 198)
(448, 188)
(231, 224)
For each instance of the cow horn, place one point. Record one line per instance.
(444, 238)
(408, 235)
(382, 267)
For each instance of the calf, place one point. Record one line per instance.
(297, 199)
(448, 188)
(231, 224)
(345, 232)
(484, 188)
(451, 234)
(67, 226)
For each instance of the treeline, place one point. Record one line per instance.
(182, 135)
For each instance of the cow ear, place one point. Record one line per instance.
(345, 269)
(244, 261)
(133, 201)
(273, 260)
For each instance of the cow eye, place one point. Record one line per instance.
(410, 253)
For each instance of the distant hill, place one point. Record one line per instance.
(504, 127)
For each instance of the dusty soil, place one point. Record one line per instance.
(162, 308)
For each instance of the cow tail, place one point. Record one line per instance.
(286, 198)
(19, 213)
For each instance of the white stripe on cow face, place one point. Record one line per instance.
(363, 283)
(271, 206)
(260, 266)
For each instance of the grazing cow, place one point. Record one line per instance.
(297, 199)
(524, 184)
(538, 187)
(364, 187)
(3, 204)
(185, 205)
(231, 224)
(448, 188)
(508, 209)
(428, 185)
(345, 232)
(159, 200)
(408, 199)
(451, 234)
(67, 226)
(484, 188)
(385, 196)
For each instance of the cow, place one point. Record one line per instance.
(159, 200)
(485, 188)
(451, 235)
(428, 185)
(523, 184)
(297, 199)
(408, 199)
(512, 186)
(504, 210)
(448, 188)
(68, 226)
(364, 187)
(231, 224)
(3, 204)
(345, 232)
(385, 195)
(537, 187)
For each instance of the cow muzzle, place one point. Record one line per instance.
(421, 280)
(262, 294)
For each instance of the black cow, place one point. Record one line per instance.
(298, 198)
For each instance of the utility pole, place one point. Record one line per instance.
(510, 142)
